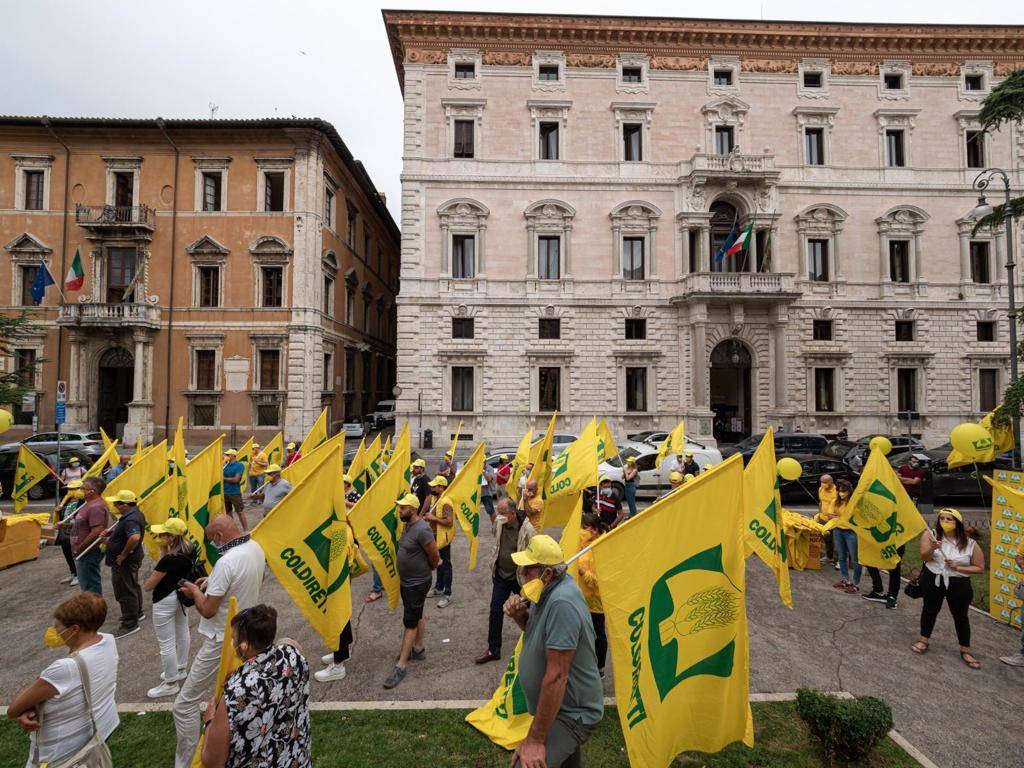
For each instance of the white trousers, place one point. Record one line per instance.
(197, 689)
(171, 626)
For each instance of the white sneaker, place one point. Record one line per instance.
(444, 602)
(67, 580)
(1017, 660)
(327, 659)
(163, 690)
(73, 582)
(837, 567)
(333, 673)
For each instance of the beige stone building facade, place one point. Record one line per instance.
(568, 183)
(241, 274)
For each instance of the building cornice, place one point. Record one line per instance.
(425, 37)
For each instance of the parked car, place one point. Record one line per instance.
(785, 443)
(900, 444)
(960, 483)
(652, 480)
(383, 415)
(46, 488)
(90, 443)
(641, 437)
(804, 490)
(657, 438)
(353, 429)
(839, 449)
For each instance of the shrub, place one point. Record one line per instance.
(848, 729)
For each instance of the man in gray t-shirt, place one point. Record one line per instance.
(557, 664)
(275, 489)
(418, 558)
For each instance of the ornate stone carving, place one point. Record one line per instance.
(507, 58)
(683, 63)
(1004, 68)
(774, 66)
(594, 60)
(935, 69)
(418, 56)
(854, 68)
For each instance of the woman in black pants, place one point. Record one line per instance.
(65, 519)
(950, 558)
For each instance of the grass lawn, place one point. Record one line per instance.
(912, 559)
(441, 739)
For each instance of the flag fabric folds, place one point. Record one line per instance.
(275, 450)
(178, 456)
(106, 439)
(143, 476)
(540, 457)
(672, 582)
(229, 662)
(572, 471)
(109, 457)
(31, 470)
(306, 540)
(881, 513)
(43, 281)
(455, 441)
(317, 434)
(743, 241)
(606, 447)
(463, 493)
(366, 476)
(762, 514)
(519, 462)
(358, 466)
(75, 278)
(139, 449)
(204, 478)
(160, 504)
(571, 535)
(729, 240)
(244, 455)
(673, 443)
(505, 719)
(1002, 441)
(295, 472)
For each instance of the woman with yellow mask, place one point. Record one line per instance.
(591, 529)
(950, 557)
(65, 517)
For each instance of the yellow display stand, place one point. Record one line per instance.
(803, 541)
(19, 539)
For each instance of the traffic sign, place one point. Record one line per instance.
(62, 391)
(61, 413)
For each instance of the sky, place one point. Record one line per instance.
(303, 58)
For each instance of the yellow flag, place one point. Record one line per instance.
(505, 719)
(463, 493)
(31, 470)
(540, 456)
(672, 582)
(571, 534)
(109, 457)
(358, 465)
(455, 441)
(159, 505)
(519, 462)
(177, 455)
(374, 518)
(366, 475)
(138, 449)
(1007, 541)
(317, 434)
(575, 468)
(229, 662)
(1002, 441)
(275, 450)
(674, 443)
(307, 462)
(762, 514)
(306, 540)
(204, 477)
(606, 447)
(881, 513)
(106, 439)
(244, 455)
(142, 476)
(386, 452)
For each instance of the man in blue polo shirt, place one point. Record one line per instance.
(234, 470)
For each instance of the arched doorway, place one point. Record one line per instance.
(724, 218)
(116, 383)
(731, 390)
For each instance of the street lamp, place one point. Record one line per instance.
(981, 210)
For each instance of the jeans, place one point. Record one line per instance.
(127, 592)
(600, 639)
(846, 547)
(171, 627)
(501, 589)
(444, 571)
(957, 595)
(255, 481)
(65, 547)
(197, 688)
(488, 503)
(89, 578)
(631, 498)
(378, 585)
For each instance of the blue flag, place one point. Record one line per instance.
(39, 285)
(721, 252)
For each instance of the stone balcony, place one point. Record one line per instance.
(759, 286)
(735, 166)
(120, 221)
(114, 315)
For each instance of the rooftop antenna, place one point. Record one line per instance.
(213, 109)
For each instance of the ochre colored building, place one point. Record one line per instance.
(241, 274)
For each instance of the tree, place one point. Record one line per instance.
(16, 383)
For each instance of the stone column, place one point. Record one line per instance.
(566, 238)
(781, 364)
(446, 269)
(884, 280)
(653, 238)
(705, 248)
(917, 243)
(684, 234)
(965, 260)
(78, 397)
(140, 410)
(773, 233)
(699, 363)
(481, 231)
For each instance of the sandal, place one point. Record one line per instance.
(972, 662)
(841, 584)
(920, 647)
(373, 597)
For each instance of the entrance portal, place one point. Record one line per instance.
(116, 383)
(731, 391)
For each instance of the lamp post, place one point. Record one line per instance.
(981, 210)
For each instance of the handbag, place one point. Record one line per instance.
(94, 753)
(913, 588)
(1018, 590)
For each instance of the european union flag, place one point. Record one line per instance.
(721, 252)
(39, 285)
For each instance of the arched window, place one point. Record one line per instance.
(725, 220)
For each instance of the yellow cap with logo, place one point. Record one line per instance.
(409, 500)
(542, 550)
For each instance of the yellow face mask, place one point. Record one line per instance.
(53, 638)
(947, 525)
(532, 590)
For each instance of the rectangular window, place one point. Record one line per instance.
(548, 149)
(268, 415)
(636, 389)
(350, 232)
(636, 328)
(548, 262)
(121, 264)
(894, 150)
(975, 149)
(366, 246)
(988, 389)
(812, 79)
(28, 276)
(817, 261)
(986, 330)
(270, 369)
(465, 71)
(212, 191)
(549, 328)
(25, 367)
(350, 307)
(328, 208)
(124, 189)
(694, 235)
(204, 414)
(632, 142)
(463, 146)
(33, 190)
(822, 330)
(209, 286)
(350, 370)
(549, 381)
(272, 279)
(632, 258)
(462, 388)
(632, 74)
(326, 372)
(893, 81)
(814, 138)
(463, 256)
(824, 389)
(206, 369)
(723, 77)
(904, 330)
(723, 139)
(273, 190)
(462, 328)
(899, 261)
(547, 72)
(328, 298)
(980, 263)
(974, 82)
(906, 389)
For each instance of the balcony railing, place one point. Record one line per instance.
(114, 314)
(111, 216)
(763, 284)
(735, 165)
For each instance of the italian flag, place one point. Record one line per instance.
(743, 241)
(75, 278)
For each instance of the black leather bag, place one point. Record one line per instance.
(913, 588)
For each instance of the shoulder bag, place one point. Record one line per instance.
(94, 753)
(913, 588)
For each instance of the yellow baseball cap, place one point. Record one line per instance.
(687, 477)
(689, 455)
(173, 526)
(448, 454)
(675, 477)
(604, 479)
(74, 485)
(409, 500)
(346, 478)
(274, 469)
(954, 513)
(419, 463)
(542, 550)
(438, 481)
(74, 460)
(255, 445)
(504, 457)
(290, 445)
(230, 452)
(631, 459)
(122, 497)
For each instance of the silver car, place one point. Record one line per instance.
(90, 443)
(652, 480)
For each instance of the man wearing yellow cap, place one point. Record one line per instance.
(420, 482)
(291, 454)
(234, 470)
(444, 516)
(124, 556)
(258, 464)
(447, 470)
(675, 482)
(690, 465)
(503, 473)
(557, 664)
(275, 489)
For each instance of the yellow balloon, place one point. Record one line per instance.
(6, 420)
(881, 443)
(789, 469)
(970, 439)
